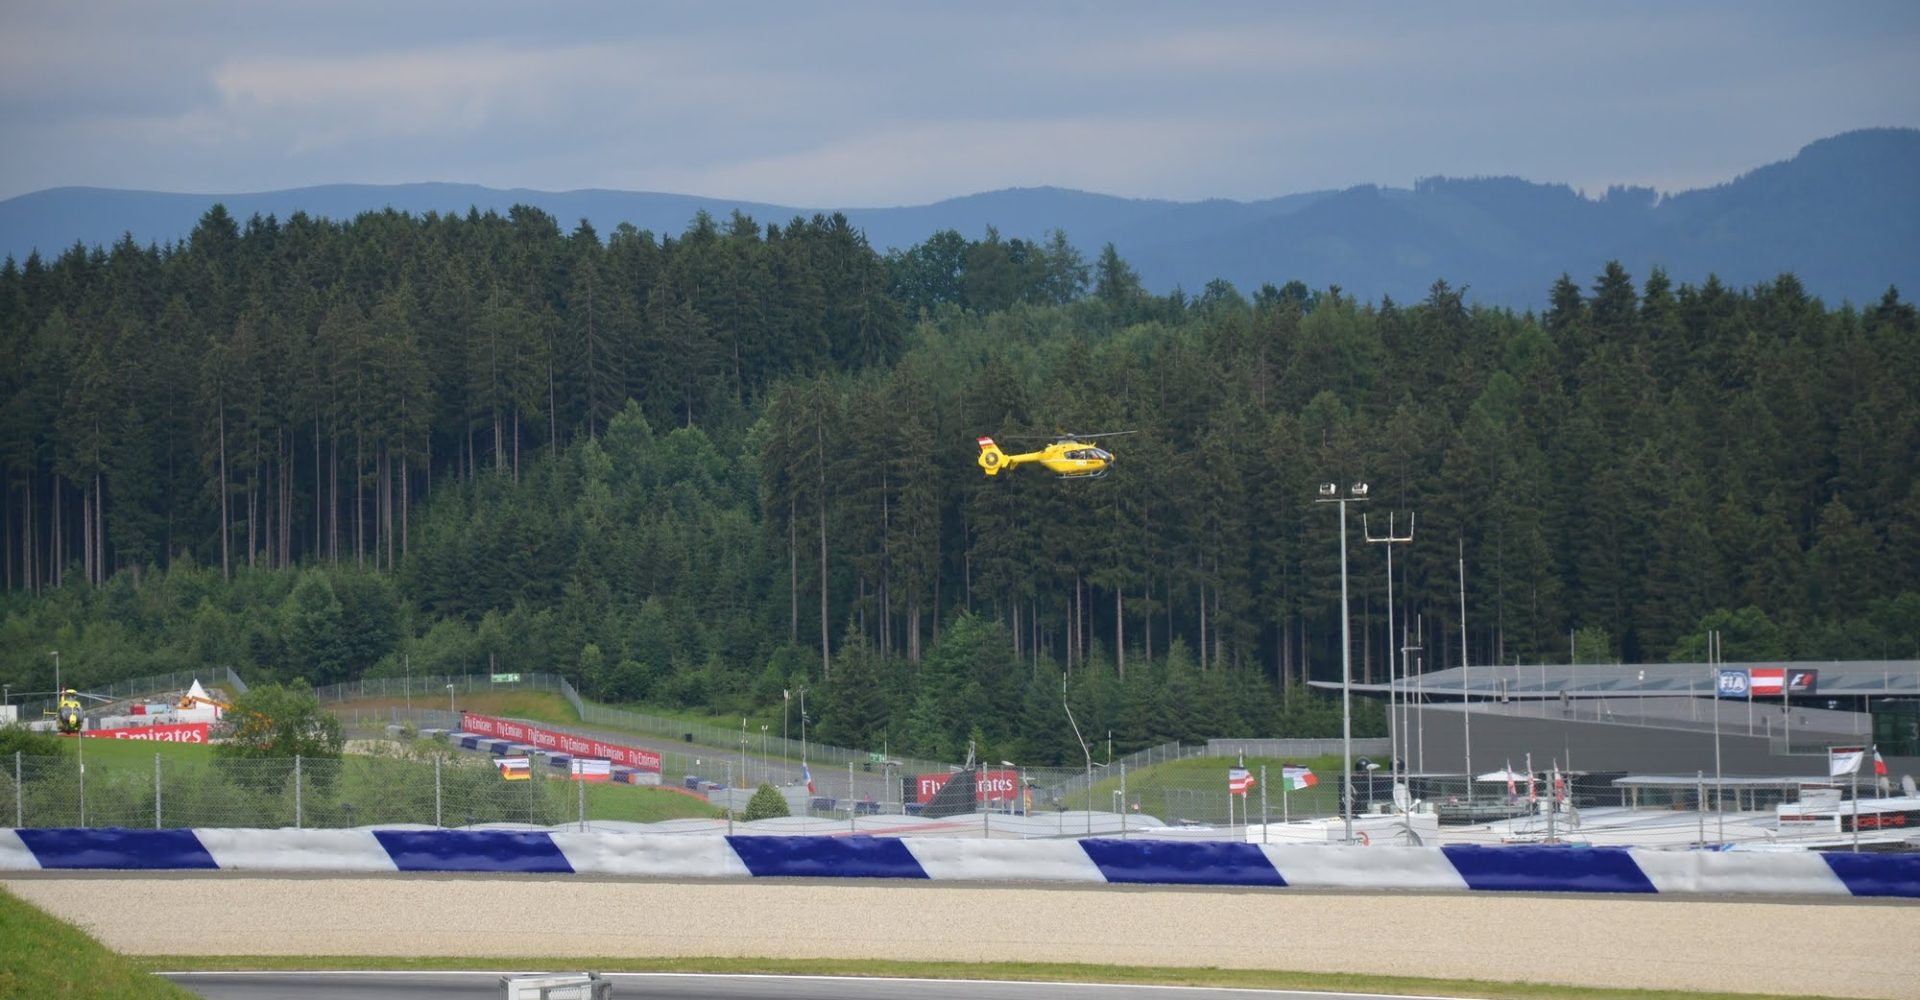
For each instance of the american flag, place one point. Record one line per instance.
(808, 774)
(1239, 781)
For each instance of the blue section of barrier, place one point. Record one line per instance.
(473, 851)
(1549, 869)
(116, 847)
(827, 857)
(1877, 874)
(1183, 863)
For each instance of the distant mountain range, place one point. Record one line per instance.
(1843, 215)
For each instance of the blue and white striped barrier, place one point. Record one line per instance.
(1163, 862)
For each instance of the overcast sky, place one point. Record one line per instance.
(862, 104)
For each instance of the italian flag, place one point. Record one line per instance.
(1297, 778)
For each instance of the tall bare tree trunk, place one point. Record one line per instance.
(226, 511)
(793, 570)
(820, 438)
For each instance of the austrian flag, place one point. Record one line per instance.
(1767, 680)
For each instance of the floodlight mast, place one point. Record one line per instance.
(1396, 734)
(1330, 493)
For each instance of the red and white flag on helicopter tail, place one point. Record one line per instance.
(1879, 766)
(1844, 760)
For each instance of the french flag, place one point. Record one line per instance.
(1768, 680)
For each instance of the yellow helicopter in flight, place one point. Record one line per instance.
(1070, 456)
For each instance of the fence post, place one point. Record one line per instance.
(156, 790)
(436, 791)
(296, 792)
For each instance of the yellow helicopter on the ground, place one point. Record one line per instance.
(1070, 456)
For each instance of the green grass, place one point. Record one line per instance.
(1322, 799)
(119, 769)
(44, 957)
(1020, 971)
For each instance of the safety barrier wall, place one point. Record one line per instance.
(1221, 863)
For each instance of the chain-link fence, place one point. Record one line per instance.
(443, 790)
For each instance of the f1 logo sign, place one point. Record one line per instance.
(1733, 684)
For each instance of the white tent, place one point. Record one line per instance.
(1504, 775)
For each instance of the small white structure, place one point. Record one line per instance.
(558, 986)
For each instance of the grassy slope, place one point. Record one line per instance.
(633, 803)
(43, 957)
(1013, 971)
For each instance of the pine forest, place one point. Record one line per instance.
(698, 471)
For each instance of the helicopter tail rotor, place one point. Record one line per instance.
(992, 459)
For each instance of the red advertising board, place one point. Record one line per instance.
(991, 786)
(547, 739)
(185, 732)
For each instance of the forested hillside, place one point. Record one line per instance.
(703, 470)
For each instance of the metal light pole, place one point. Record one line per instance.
(1395, 732)
(450, 710)
(1330, 493)
(1084, 749)
(1466, 694)
(766, 774)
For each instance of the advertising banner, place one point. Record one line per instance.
(1733, 684)
(185, 732)
(992, 786)
(547, 739)
(1801, 682)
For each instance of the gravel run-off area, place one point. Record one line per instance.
(1850, 948)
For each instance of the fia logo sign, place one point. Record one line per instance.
(1733, 684)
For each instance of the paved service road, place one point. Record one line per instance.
(675, 986)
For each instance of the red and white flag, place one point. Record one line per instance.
(1239, 781)
(1844, 760)
(1767, 680)
(1879, 766)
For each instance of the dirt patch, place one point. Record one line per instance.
(1666, 943)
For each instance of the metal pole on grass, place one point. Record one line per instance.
(296, 792)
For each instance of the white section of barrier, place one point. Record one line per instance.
(296, 850)
(1339, 866)
(14, 856)
(1004, 860)
(639, 854)
(1771, 872)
